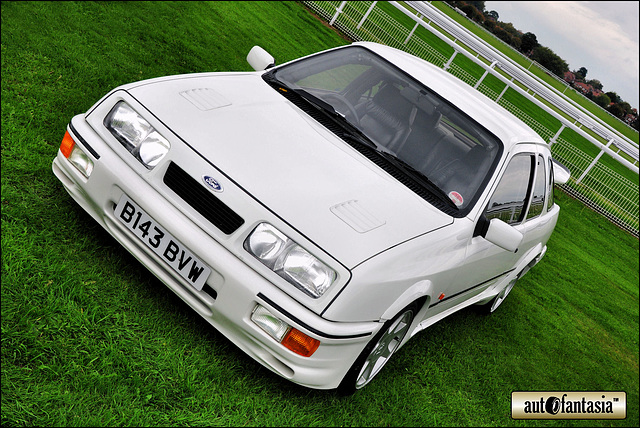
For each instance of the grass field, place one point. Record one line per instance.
(90, 338)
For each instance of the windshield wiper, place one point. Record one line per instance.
(360, 137)
(317, 102)
(402, 165)
(313, 99)
(354, 134)
(420, 177)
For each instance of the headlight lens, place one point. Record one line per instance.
(289, 260)
(136, 134)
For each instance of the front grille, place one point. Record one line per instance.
(202, 200)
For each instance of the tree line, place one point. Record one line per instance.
(527, 44)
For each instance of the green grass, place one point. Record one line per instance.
(90, 338)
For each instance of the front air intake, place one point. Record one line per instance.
(202, 200)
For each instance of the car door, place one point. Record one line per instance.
(519, 199)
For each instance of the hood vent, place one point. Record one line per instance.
(354, 214)
(205, 98)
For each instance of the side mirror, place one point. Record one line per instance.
(561, 173)
(504, 236)
(260, 59)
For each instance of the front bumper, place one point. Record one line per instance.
(235, 285)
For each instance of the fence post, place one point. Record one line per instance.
(493, 64)
(412, 30)
(338, 12)
(366, 15)
(586, 171)
(503, 91)
(553, 139)
(448, 64)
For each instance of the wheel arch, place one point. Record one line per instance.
(419, 292)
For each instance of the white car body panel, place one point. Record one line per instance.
(276, 164)
(285, 149)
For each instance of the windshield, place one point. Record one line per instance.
(402, 117)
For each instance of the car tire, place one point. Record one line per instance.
(378, 351)
(494, 303)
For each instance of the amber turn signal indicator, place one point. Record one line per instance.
(300, 343)
(66, 147)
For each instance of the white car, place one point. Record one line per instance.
(322, 212)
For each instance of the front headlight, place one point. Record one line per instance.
(136, 134)
(289, 260)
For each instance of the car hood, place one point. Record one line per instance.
(293, 165)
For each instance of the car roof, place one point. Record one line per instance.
(507, 127)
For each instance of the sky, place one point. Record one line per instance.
(600, 36)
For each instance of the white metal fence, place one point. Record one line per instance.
(604, 190)
(569, 106)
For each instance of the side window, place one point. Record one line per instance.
(550, 200)
(508, 203)
(539, 189)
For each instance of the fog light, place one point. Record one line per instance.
(291, 338)
(274, 326)
(76, 156)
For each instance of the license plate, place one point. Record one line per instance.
(168, 248)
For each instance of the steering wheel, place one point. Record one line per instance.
(351, 114)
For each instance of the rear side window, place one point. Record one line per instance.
(508, 203)
(539, 189)
(550, 200)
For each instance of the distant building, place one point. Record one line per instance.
(583, 87)
(569, 77)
